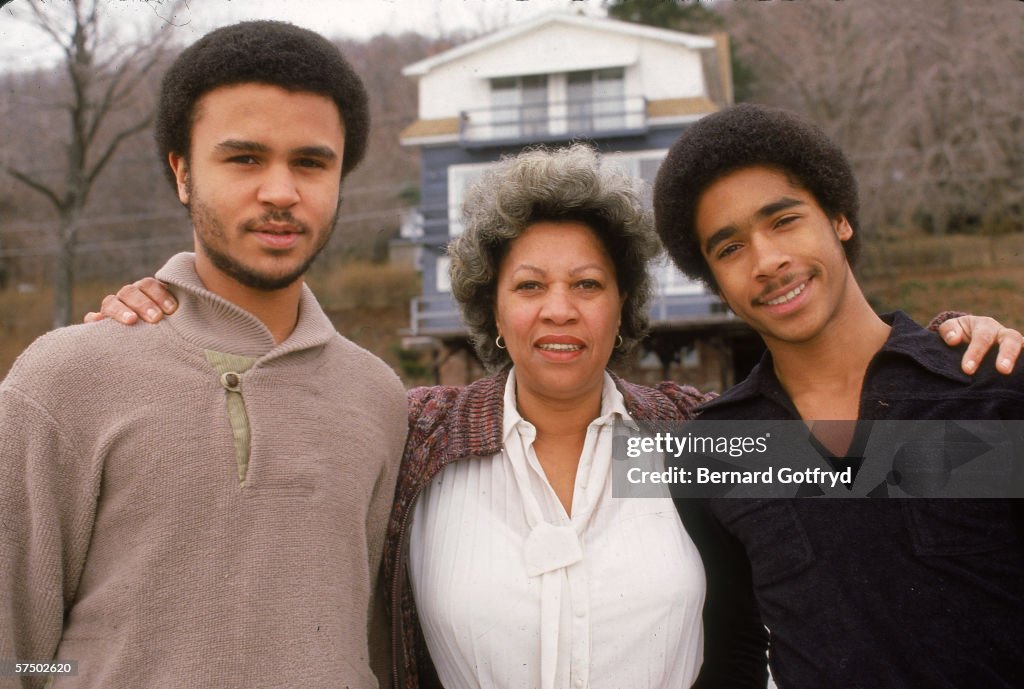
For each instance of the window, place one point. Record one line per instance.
(460, 179)
(442, 283)
(644, 165)
(520, 106)
(669, 280)
(597, 100)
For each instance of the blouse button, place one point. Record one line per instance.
(231, 381)
(579, 682)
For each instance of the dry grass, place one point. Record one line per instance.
(360, 285)
(368, 303)
(996, 292)
(925, 275)
(24, 316)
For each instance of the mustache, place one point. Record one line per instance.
(275, 216)
(782, 282)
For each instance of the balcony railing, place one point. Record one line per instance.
(434, 313)
(536, 122)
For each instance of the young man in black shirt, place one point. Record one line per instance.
(761, 206)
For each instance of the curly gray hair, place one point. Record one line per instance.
(555, 185)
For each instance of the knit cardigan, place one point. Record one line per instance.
(134, 539)
(449, 424)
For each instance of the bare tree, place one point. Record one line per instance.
(103, 79)
(923, 94)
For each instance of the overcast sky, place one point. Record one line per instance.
(21, 45)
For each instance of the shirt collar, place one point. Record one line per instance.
(906, 338)
(612, 405)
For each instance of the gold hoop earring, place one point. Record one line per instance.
(499, 343)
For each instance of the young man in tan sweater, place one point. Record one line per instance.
(203, 503)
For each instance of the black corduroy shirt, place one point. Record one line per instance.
(886, 593)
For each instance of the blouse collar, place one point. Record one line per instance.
(612, 405)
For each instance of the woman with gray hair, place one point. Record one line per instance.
(511, 564)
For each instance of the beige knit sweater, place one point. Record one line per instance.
(160, 541)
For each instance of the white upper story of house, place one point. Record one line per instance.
(561, 75)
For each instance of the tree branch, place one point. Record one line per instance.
(44, 23)
(32, 183)
(111, 148)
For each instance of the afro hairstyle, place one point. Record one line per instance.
(264, 52)
(738, 137)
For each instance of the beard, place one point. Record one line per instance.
(212, 238)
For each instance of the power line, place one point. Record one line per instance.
(84, 223)
(94, 247)
(176, 214)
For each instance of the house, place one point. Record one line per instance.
(629, 89)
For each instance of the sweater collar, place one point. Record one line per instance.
(212, 322)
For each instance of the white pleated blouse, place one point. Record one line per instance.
(513, 593)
